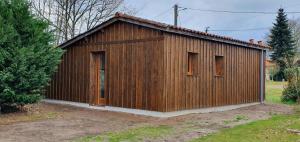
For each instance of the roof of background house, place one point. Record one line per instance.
(163, 27)
(269, 63)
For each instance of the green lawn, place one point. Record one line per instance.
(274, 91)
(132, 135)
(273, 95)
(271, 130)
(270, 83)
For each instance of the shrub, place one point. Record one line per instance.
(292, 92)
(27, 57)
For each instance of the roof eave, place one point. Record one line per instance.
(170, 30)
(161, 28)
(87, 33)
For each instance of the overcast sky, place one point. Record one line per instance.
(161, 10)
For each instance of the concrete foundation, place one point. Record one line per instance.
(150, 113)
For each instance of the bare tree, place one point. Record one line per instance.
(294, 24)
(69, 18)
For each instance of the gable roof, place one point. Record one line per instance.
(163, 27)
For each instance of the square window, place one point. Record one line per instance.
(219, 65)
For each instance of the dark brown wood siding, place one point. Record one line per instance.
(134, 64)
(238, 84)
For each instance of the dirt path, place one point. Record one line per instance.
(71, 123)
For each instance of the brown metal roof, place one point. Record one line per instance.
(164, 27)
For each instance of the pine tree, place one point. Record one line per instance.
(27, 56)
(282, 43)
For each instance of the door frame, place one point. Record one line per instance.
(94, 97)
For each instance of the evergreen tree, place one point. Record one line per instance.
(27, 57)
(282, 44)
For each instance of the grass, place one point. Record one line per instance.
(273, 95)
(274, 91)
(269, 82)
(132, 135)
(273, 130)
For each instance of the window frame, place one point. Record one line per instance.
(219, 66)
(192, 63)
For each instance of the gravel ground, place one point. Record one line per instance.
(70, 123)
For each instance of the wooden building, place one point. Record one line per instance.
(136, 63)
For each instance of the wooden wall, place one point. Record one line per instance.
(239, 84)
(147, 69)
(134, 68)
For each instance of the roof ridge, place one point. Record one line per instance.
(156, 23)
